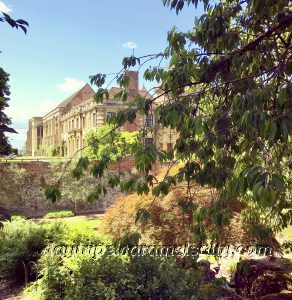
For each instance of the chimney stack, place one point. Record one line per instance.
(134, 81)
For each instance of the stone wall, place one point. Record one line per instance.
(22, 188)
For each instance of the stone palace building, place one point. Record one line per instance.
(65, 127)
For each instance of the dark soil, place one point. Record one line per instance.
(10, 290)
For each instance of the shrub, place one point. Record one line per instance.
(82, 236)
(18, 217)
(119, 277)
(22, 242)
(59, 214)
(232, 265)
(169, 222)
(53, 151)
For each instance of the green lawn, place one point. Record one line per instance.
(287, 233)
(83, 223)
(32, 159)
(286, 236)
(90, 222)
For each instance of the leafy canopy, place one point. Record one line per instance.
(227, 92)
(5, 147)
(114, 145)
(19, 23)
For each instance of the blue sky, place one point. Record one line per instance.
(69, 40)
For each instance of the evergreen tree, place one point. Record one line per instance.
(5, 147)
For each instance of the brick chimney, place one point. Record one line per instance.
(134, 81)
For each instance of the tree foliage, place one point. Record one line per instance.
(114, 146)
(227, 92)
(5, 147)
(4, 215)
(170, 217)
(19, 23)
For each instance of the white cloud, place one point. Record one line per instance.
(17, 140)
(130, 45)
(70, 85)
(4, 8)
(20, 114)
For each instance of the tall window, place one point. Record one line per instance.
(149, 121)
(77, 123)
(149, 141)
(56, 127)
(110, 114)
(83, 122)
(94, 119)
(169, 147)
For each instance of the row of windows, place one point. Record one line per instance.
(48, 129)
(73, 125)
(148, 121)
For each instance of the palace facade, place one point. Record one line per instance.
(65, 127)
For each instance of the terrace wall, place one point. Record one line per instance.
(22, 188)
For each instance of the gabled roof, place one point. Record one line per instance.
(72, 97)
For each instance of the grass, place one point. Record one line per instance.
(83, 223)
(287, 233)
(286, 236)
(90, 222)
(59, 214)
(31, 159)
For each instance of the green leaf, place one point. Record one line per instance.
(284, 129)
(273, 131)
(101, 95)
(98, 79)
(278, 182)
(142, 188)
(282, 95)
(143, 215)
(128, 185)
(255, 190)
(113, 180)
(52, 193)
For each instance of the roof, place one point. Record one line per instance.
(66, 103)
(112, 92)
(70, 98)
